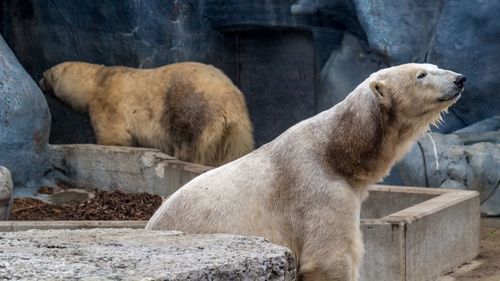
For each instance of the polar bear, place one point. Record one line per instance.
(304, 189)
(189, 110)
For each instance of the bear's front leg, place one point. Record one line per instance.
(334, 265)
(110, 126)
(333, 246)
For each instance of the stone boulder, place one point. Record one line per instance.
(6, 193)
(467, 159)
(24, 122)
(137, 254)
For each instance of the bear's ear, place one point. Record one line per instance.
(378, 88)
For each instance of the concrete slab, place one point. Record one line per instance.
(130, 169)
(384, 258)
(132, 254)
(486, 267)
(442, 229)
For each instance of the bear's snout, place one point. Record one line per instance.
(42, 84)
(460, 81)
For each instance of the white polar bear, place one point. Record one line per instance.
(304, 189)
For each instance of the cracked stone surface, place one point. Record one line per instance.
(136, 254)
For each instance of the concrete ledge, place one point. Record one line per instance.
(129, 169)
(131, 254)
(405, 228)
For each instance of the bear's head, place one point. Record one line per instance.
(416, 92)
(72, 82)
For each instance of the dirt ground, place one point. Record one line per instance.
(486, 267)
(102, 205)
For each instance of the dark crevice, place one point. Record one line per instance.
(61, 170)
(491, 193)
(458, 117)
(197, 13)
(405, 250)
(425, 163)
(2, 15)
(72, 34)
(426, 56)
(443, 181)
(47, 172)
(433, 33)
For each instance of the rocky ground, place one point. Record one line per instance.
(101, 205)
(138, 254)
(486, 267)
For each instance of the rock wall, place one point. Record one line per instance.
(467, 159)
(139, 34)
(291, 58)
(24, 122)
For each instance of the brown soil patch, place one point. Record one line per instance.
(115, 205)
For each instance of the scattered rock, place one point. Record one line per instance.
(136, 254)
(6, 193)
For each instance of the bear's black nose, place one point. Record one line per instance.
(460, 81)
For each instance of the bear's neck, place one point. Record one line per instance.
(363, 141)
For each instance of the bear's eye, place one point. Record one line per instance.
(421, 75)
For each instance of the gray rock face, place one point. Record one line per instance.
(24, 121)
(490, 124)
(393, 33)
(463, 42)
(347, 67)
(468, 159)
(132, 254)
(390, 27)
(291, 58)
(6, 193)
